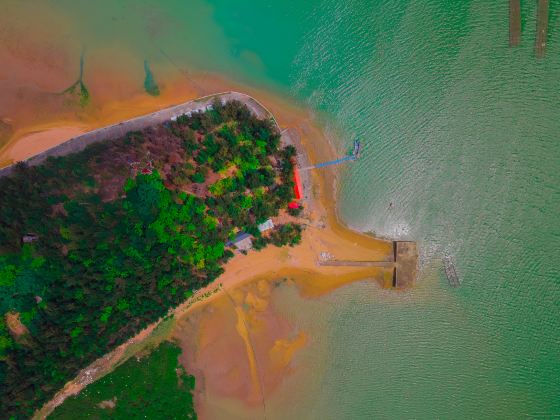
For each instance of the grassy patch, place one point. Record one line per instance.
(154, 387)
(159, 334)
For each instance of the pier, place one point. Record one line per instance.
(403, 265)
(542, 28)
(355, 155)
(514, 22)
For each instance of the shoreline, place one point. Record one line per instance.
(78, 143)
(324, 233)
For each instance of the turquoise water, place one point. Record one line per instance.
(460, 133)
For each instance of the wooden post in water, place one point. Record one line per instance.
(514, 22)
(542, 28)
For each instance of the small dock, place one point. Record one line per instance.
(403, 265)
(542, 28)
(450, 272)
(514, 22)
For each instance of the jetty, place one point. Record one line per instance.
(450, 272)
(354, 155)
(514, 22)
(542, 28)
(403, 265)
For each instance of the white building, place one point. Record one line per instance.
(267, 225)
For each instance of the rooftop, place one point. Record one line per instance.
(266, 225)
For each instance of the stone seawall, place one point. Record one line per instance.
(115, 131)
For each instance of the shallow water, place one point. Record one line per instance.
(460, 133)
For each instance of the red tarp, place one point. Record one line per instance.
(298, 190)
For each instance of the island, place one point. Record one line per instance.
(108, 235)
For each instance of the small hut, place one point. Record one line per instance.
(242, 242)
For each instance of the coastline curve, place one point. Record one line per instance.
(118, 130)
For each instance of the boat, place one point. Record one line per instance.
(357, 148)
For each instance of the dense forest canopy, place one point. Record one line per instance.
(96, 245)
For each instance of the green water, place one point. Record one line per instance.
(460, 134)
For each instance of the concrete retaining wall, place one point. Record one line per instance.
(119, 130)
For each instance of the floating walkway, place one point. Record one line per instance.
(450, 272)
(348, 263)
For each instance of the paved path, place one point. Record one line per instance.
(119, 130)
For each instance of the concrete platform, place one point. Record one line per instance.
(406, 263)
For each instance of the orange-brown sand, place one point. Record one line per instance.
(32, 136)
(259, 345)
(232, 345)
(43, 138)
